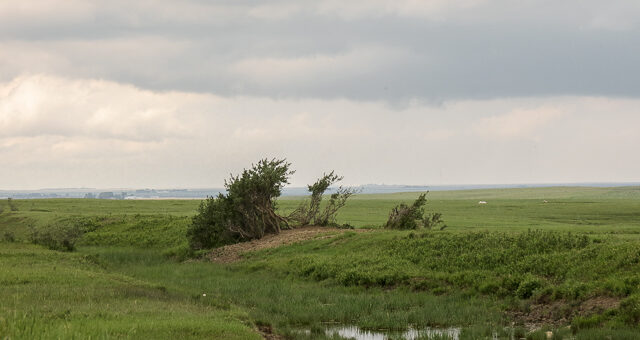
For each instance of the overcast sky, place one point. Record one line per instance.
(169, 94)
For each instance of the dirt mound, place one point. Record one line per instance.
(559, 313)
(233, 252)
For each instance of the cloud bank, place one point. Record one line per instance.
(84, 132)
(394, 51)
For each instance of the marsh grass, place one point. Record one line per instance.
(288, 304)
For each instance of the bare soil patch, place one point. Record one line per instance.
(267, 333)
(233, 252)
(559, 313)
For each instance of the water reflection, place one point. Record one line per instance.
(354, 332)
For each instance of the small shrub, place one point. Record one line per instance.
(341, 226)
(12, 204)
(209, 226)
(432, 220)
(179, 253)
(570, 290)
(585, 322)
(9, 236)
(61, 237)
(405, 217)
(630, 310)
(309, 213)
(528, 286)
(509, 284)
(489, 287)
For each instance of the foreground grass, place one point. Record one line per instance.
(289, 305)
(52, 295)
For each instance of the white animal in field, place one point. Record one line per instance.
(482, 202)
(545, 201)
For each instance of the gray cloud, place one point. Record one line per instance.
(70, 133)
(180, 94)
(389, 50)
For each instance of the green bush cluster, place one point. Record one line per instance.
(147, 231)
(64, 234)
(411, 217)
(246, 211)
(630, 309)
(539, 265)
(12, 204)
(528, 286)
(62, 237)
(9, 236)
(209, 226)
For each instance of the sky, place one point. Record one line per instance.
(179, 94)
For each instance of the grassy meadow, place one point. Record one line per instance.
(548, 251)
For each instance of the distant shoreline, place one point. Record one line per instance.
(187, 194)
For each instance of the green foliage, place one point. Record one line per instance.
(12, 204)
(179, 253)
(246, 212)
(405, 217)
(432, 220)
(535, 264)
(288, 304)
(630, 309)
(527, 286)
(309, 213)
(9, 236)
(146, 231)
(585, 322)
(61, 237)
(209, 226)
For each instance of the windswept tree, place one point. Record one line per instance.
(413, 216)
(311, 213)
(246, 211)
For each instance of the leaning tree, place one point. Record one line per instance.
(246, 211)
(310, 212)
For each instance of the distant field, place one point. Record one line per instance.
(515, 254)
(568, 208)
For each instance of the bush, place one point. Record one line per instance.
(527, 286)
(209, 226)
(179, 253)
(630, 310)
(585, 322)
(12, 204)
(9, 236)
(405, 217)
(309, 213)
(246, 212)
(61, 237)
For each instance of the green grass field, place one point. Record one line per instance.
(492, 263)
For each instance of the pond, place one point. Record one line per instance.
(354, 332)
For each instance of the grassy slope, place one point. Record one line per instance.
(557, 265)
(52, 295)
(610, 215)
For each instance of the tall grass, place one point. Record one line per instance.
(52, 295)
